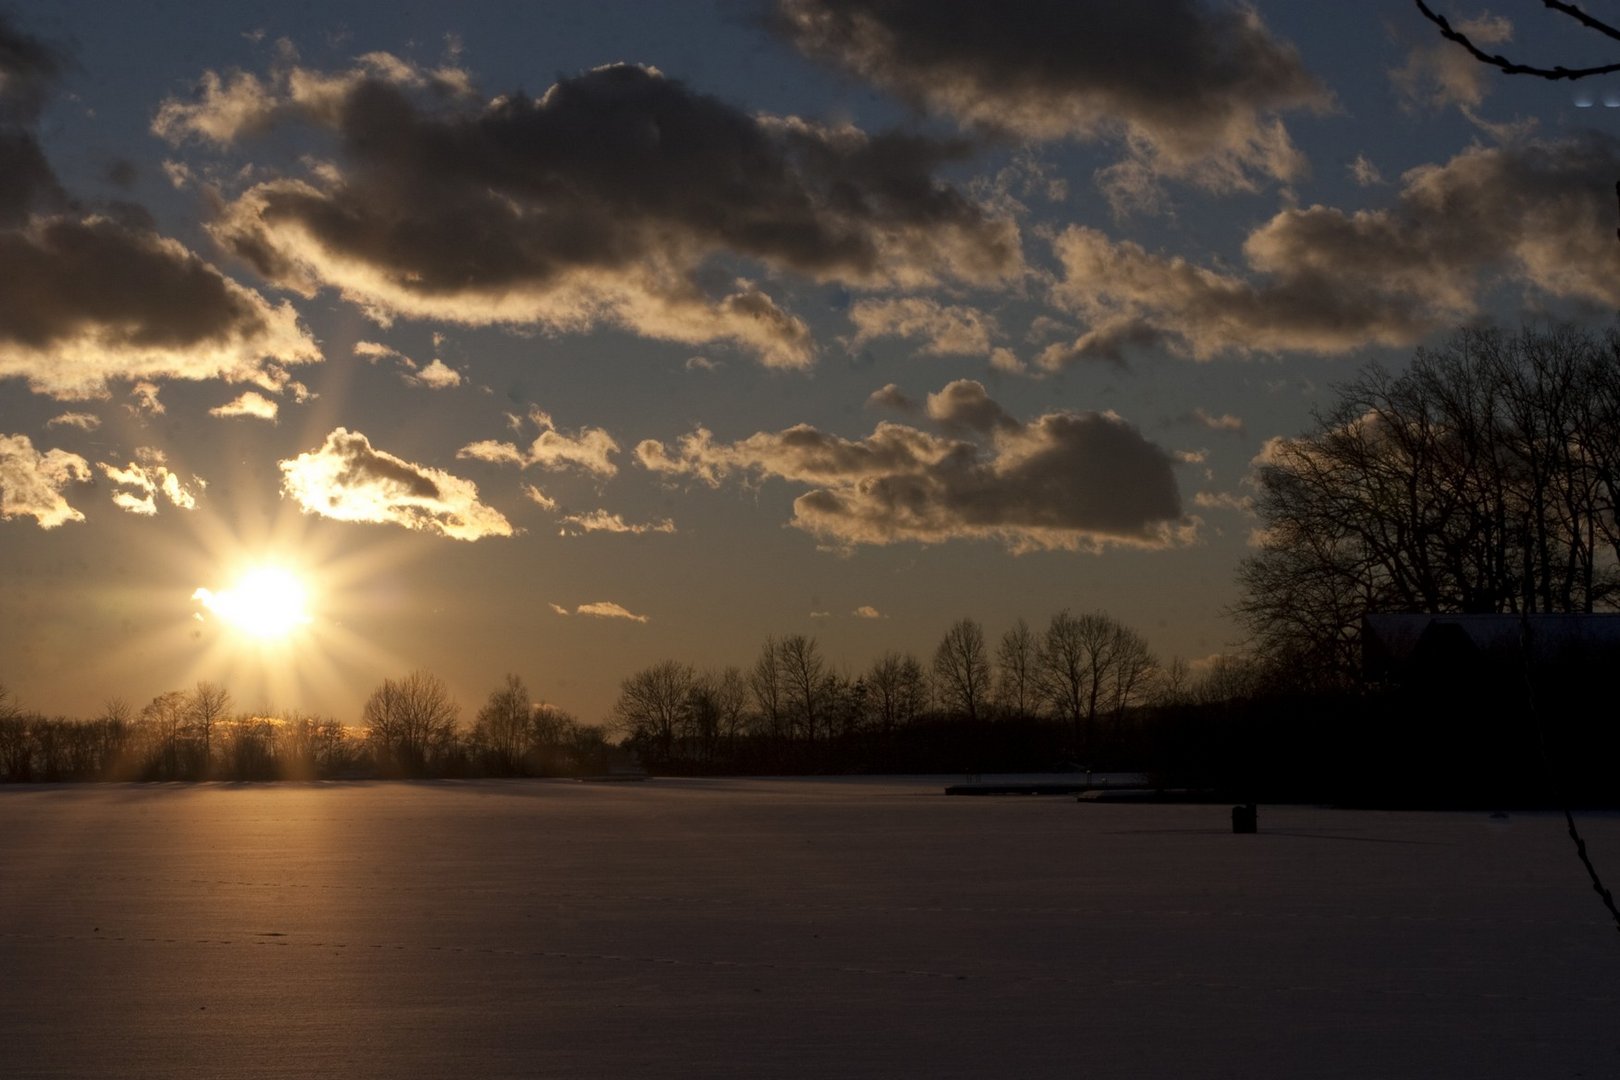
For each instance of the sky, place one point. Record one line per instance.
(339, 340)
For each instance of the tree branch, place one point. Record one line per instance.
(1510, 67)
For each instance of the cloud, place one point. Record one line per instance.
(1437, 74)
(345, 479)
(1005, 360)
(607, 609)
(1204, 418)
(539, 498)
(248, 403)
(965, 405)
(1364, 172)
(589, 450)
(436, 376)
(867, 611)
(702, 363)
(31, 483)
(559, 609)
(87, 301)
(29, 70)
(602, 521)
(1065, 480)
(82, 420)
(945, 329)
(890, 396)
(1191, 90)
(143, 480)
(1224, 500)
(145, 397)
(612, 199)
(1538, 215)
(88, 297)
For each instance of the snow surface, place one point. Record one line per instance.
(787, 928)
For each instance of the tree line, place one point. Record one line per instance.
(1061, 694)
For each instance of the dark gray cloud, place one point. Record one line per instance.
(1066, 480)
(29, 70)
(607, 199)
(1537, 216)
(91, 296)
(1191, 88)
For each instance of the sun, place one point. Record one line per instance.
(269, 603)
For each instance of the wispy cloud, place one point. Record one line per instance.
(81, 420)
(588, 449)
(1205, 419)
(138, 483)
(943, 329)
(602, 521)
(603, 609)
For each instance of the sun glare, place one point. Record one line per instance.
(267, 603)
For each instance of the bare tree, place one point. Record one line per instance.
(410, 722)
(804, 680)
(1481, 479)
(502, 727)
(765, 682)
(163, 723)
(207, 707)
(884, 689)
(717, 703)
(652, 705)
(16, 742)
(1089, 664)
(961, 671)
(1016, 676)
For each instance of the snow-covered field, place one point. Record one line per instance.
(787, 928)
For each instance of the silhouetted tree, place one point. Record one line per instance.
(961, 671)
(652, 704)
(410, 723)
(1483, 478)
(502, 730)
(1088, 665)
(766, 684)
(892, 694)
(717, 702)
(206, 708)
(163, 723)
(804, 681)
(1017, 658)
